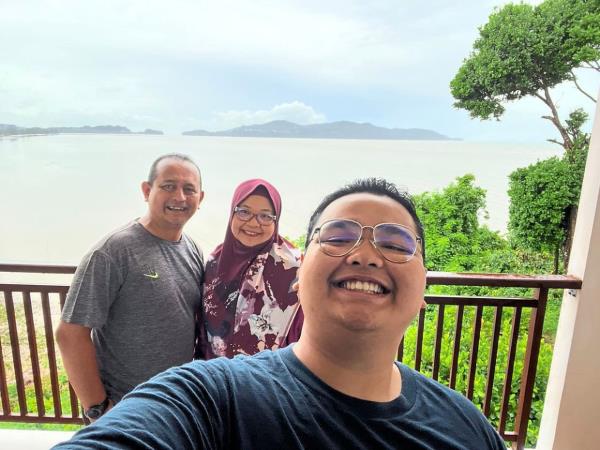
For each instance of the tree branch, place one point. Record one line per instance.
(554, 141)
(580, 89)
(592, 65)
(567, 142)
(542, 98)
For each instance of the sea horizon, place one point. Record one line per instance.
(89, 184)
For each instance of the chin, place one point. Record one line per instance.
(358, 322)
(252, 243)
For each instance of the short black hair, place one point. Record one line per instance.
(179, 156)
(375, 186)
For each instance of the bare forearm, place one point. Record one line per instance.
(79, 358)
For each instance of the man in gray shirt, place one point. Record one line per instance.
(130, 311)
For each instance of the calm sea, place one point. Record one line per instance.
(60, 194)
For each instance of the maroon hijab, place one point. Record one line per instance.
(233, 256)
(249, 303)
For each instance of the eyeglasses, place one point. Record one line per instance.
(395, 242)
(245, 215)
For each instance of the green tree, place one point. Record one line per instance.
(454, 238)
(542, 197)
(456, 241)
(525, 51)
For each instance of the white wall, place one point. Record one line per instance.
(571, 418)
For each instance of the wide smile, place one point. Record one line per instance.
(362, 285)
(250, 233)
(177, 208)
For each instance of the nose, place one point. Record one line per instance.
(180, 195)
(254, 221)
(365, 253)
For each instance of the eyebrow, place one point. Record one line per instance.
(174, 180)
(412, 228)
(269, 210)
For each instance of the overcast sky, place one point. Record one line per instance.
(190, 64)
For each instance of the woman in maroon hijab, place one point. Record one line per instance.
(249, 303)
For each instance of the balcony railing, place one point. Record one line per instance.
(446, 342)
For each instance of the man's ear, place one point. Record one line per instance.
(146, 187)
(201, 198)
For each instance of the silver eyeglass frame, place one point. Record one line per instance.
(418, 239)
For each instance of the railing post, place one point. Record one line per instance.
(534, 338)
(14, 342)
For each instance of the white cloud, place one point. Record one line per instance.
(149, 63)
(348, 42)
(295, 111)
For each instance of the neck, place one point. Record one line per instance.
(168, 234)
(355, 367)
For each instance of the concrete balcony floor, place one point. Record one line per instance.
(32, 439)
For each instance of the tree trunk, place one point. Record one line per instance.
(556, 252)
(555, 119)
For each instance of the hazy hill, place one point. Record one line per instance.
(331, 130)
(14, 130)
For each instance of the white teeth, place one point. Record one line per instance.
(176, 208)
(364, 286)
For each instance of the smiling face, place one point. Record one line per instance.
(361, 291)
(252, 233)
(172, 198)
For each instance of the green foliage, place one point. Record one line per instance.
(299, 242)
(541, 198)
(575, 121)
(525, 49)
(454, 239)
(574, 26)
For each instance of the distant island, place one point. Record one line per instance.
(14, 130)
(331, 130)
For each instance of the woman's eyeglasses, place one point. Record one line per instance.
(245, 215)
(395, 242)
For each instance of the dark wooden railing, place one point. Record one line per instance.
(536, 304)
(24, 307)
(31, 312)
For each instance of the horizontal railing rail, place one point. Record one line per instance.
(446, 342)
(37, 268)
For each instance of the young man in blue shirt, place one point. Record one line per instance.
(361, 284)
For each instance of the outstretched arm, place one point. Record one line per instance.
(179, 408)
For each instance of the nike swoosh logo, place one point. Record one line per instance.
(152, 275)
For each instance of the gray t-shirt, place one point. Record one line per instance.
(139, 294)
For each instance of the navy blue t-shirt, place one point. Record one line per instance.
(272, 401)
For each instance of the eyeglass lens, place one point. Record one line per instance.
(396, 243)
(246, 216)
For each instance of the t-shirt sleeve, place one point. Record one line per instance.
(93, 290)
(492, 438)
(487, 433)
(180, 408)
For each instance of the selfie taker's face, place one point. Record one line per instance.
(362, 291)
